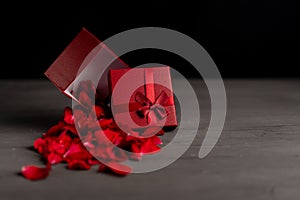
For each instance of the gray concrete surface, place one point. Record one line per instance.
(256, 158)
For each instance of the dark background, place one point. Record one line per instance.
(245, 38)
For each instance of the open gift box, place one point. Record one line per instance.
(87, 58)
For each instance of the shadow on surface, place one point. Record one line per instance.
(30, 119)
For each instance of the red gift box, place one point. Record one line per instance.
(83, 52)
(146, 94)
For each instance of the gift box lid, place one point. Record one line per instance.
(75, 57)
(137, 76)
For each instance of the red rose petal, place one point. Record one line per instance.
(149, 147)
(88, 140)
(65, 139)
(89, 145)
(89, 137)
(39, 144)
(92, 124)
(102, 168)
(68, 115)
(79, 114)
(35, 173)
(77, 151)
(55, 130)
(115, 137)
(156, 140)
(101, 138)
(86, 86)
(118, 168)
(75, 148)
(56, 147)
(70, 128)
(78, 165)
(54, 158)
(61, 142)
(104, 123)
(100, 113)
(136, 156)
(120, 155)
(93, 161)
(84, 99)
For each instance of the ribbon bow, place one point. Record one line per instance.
(157, 107)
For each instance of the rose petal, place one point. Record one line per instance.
(84, 99)
(35, 173)
(115, 137)
(92, 125)
(93, 161)
(54, 158)
(137, 152)
(86, 86)
(101, 138)
(100, 113)
(119, 155)
(149, 147)
(75, 148)
(61, 142)
(55, 130)
(118, 168)
(156, 140)
(77, 151)
(102, 168)
(39, 144)
(56, 147)
(68, 115)
(105, 123)
(65, 139)
(78, 165)
(79, 113)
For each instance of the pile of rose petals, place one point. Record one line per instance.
(79, 139)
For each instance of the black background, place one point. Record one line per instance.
(245, 38)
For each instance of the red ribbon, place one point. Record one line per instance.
(148, 102)
(157, 106)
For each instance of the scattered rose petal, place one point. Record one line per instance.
(35, 173)
(79, 114)
(70, 128)
(54, 158)
(61, 143)
(84, 99)
(156, 140)
(78, 165)
(55, 130)
(118, 168)
(102, 167)
(93, 161)
(149, 147)
(100, 113)
(68, 115)
(39, 144)
(105, 123)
